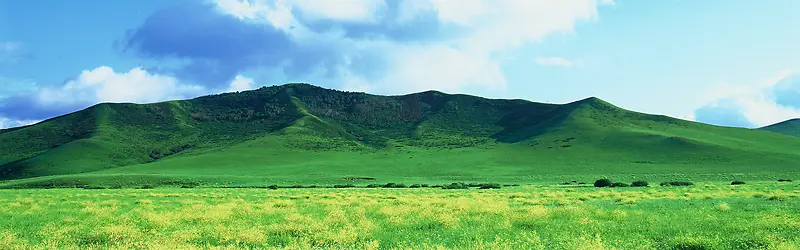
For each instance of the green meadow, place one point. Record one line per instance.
(709, 215)
(301, 167)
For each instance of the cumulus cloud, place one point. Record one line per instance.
(216, 47)
(439, 67)
(757, 105)
(391, 46)
(351, 11)
(101, 84)
(554, 61)
(241, 83)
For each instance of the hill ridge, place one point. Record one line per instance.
(316, 124)
(789, 127)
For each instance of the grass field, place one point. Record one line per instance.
(710, 215)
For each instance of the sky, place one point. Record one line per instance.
(723, 62)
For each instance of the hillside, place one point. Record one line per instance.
(299, 133)
(789, 127)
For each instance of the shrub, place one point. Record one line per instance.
(94, 187)
(619, 184)
(737, 183)
(373, 186)
(784, 180)
(147, 186)
(676, 183)
(394, 185)
(455, 185)
(273, 187)
(297, 186)
(603, 183)
(116, 186)
(190, 185)
(437, 186)
(640, 184)
(312, 186)
(490, 186)
(425, 185)
(415, 186)
(344, 186)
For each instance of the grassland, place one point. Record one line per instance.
(710, 215)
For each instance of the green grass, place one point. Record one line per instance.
(710, 215)
(301, 134)
(790, 127)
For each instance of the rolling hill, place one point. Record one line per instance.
(303, 134)
(789, 127)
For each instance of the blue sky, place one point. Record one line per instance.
(724, 62)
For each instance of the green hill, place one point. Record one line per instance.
(789, 127)
(302, 134)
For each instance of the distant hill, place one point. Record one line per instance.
(789, 127)
(300, 133)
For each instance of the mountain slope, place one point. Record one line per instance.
(299, 133)
(789, 127)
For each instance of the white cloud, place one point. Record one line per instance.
(241, 83)
(441, 68)
(342, 10)
(102, 84)
(9, 123)
(462, 12)
(511, 23)
(354, 83)
(554, 61)
(755, 103)
(490, 27)
(239, 9)
(279, 13)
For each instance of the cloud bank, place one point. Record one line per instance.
(382, 46)
(772, 101)
(98, 85)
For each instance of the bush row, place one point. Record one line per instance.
(609, 183)
(455, 185)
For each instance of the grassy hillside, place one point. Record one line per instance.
(302, 134)
(790, 127)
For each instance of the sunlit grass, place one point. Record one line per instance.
(705, 216)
